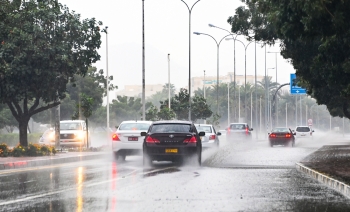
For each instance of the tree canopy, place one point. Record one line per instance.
(313, 35)
(43, 46)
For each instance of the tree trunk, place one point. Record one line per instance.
(23, 126)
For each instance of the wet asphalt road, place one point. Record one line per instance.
(240, 176)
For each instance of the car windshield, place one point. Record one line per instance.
(281, 130)
(206, 129)
(237, 127)
(134, 126)
(303, 129)
(170, 128)
(70, 126)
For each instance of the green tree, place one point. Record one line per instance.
(180, 104)
(314, 36)
(43, 45)
(7, 120)
(200, 108)
(84, 108)
(152, 113)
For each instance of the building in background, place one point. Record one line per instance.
(136, 90)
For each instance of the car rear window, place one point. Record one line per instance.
(303, 129)
(237, 126)
(282, 130)
(170, 128)
(206, 129)
(134, 126)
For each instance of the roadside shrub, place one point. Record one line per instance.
(4, 150)
(18, 151)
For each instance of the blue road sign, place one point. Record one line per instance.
(294, 88)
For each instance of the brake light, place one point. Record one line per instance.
(288, 135)
(191, 140)
(151, 140)
(246, 130)
(212, 137)
(272, 135)
(115, 137)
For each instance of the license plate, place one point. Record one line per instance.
(280, 136)
(133, 139)
(170, 150)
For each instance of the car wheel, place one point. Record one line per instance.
(199, 158)
(119, 156)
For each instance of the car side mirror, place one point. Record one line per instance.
(294, 133)
(313, 130)
(143, 133)
(268, 133)
(251, 129)
(218, 133)
(201, 134)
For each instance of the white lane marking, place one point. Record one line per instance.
(86, 186)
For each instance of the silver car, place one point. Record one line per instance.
(238, 131)
(211, 138)
(127, 139)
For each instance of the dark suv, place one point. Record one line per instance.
(172, 141)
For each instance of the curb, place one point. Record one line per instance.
(49, 161)
(328, 181)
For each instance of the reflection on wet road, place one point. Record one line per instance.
(238, 177)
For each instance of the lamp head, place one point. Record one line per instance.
(211, 25)
(197, 33)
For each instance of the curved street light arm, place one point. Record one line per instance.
(199, 33)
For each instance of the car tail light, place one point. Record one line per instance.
(212, 137)
(191, 140)
(115, 137)
(272, 135)
(288, 135)
(246, 130)
(151, 140)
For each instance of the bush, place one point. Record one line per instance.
(32, 150)
(4, 150)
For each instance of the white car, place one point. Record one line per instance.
(73, 133)
(303, 132)
(127, 140)
(48, 137)
(211, 138)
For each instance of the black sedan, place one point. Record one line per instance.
(282, 136)
(172, 141)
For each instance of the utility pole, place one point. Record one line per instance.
(169, 81)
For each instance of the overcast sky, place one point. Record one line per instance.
(166, 32)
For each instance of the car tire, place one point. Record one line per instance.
(199, 158)
(119, 157)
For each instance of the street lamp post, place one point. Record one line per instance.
(239, 103)
(228, 104)
(268, 98)
(105, 30)
(286, 114)
(217, 65)
(276, 106)
(205, 121)
(189, 55)
(169, 102)
(234, 37)
(245, 71)
(143, 64)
